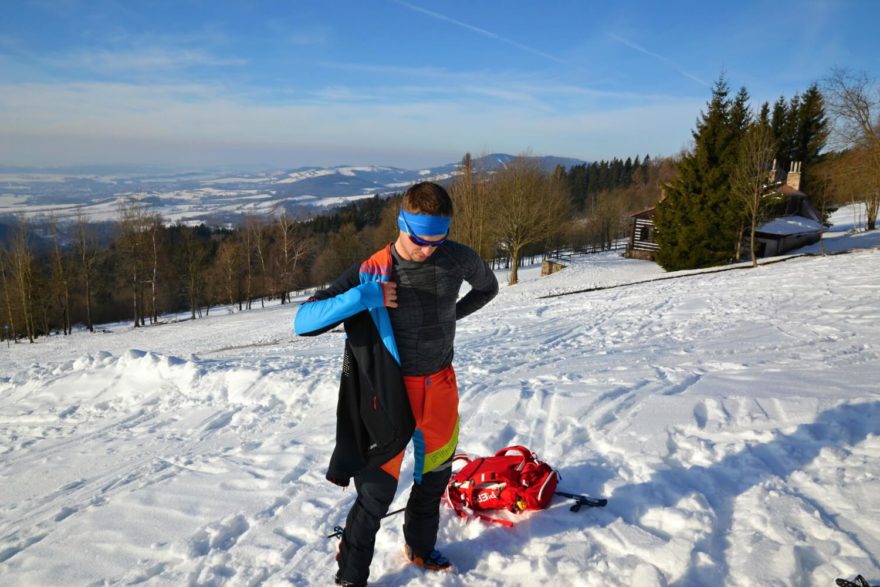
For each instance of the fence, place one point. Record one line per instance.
(562, 254)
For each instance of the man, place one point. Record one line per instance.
(399, 308)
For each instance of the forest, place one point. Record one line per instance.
(56, 276)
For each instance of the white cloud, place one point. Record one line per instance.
(518, 86)
(658, 57)
(480, 31)
(192, 122)
(140, 60)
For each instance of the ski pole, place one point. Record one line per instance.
(395, 512)
(583, 500)
(338, 530)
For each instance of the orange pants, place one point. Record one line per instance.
(434, 402)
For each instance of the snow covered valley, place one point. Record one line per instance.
(732, 419)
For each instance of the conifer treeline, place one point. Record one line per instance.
(588, 180)
(701, 221)
(799, 128)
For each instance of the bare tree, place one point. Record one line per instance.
(605, 224)
(375, 237)
(247, 259)
(338, 253)
(256, 228)
(9, 329)
(22, 266)
(228, 267)
(154, 235)
(854, 102)
(195, 252)
(132, 246)
(60, 285)
(751, 175)
(528, 206)
(224, 272)
(470, 222)
(87, 253)
(290, 250)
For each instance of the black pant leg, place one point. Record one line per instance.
(422, 517)
(375, 489)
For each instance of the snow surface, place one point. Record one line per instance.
(790, 225)
(731, 418)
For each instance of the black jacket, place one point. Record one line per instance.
(374, 421)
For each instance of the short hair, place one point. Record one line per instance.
(427, 197)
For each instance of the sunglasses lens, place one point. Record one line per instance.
(423, 243)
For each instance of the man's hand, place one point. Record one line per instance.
(389, 294)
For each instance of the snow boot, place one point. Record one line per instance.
(433, 562)
(346, 583)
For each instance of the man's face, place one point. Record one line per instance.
(412, 251)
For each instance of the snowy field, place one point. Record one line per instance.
(731, 418)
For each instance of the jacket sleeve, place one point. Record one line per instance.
(343, 299)
(484, 286)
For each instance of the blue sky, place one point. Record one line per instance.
(408, 83)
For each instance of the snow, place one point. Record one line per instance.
(436, 177)
(341, 200)
(307, 174)
(731, 418)
(236, 180)
(12, 200)
(351, 171)
(790, 225)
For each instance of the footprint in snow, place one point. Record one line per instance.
(222, 535)
(65, 513)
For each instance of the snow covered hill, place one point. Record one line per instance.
(732, 419)
(216, 197)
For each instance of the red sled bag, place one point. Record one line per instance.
(514, 482)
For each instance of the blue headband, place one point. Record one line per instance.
(423, 224)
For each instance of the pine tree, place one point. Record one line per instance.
(812, 128)
(578, 185)
(790, 131)
(778, 121)
(740, 121)
(698, 223)
(740, 118)
(764, 115)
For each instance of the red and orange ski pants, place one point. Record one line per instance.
(434, 402)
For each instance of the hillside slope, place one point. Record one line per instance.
(732, 420)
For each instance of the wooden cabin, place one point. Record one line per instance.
(795, 223)
(641, 244)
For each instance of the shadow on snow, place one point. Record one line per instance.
(719, 484)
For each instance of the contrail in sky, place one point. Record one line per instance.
(665, 60)
(480, 31)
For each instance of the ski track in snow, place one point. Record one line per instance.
(731, 418)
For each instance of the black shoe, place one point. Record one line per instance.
(347, 583)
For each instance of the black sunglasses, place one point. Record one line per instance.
(420, 241)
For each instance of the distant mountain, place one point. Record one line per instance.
(496, 161)
(216, 196)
